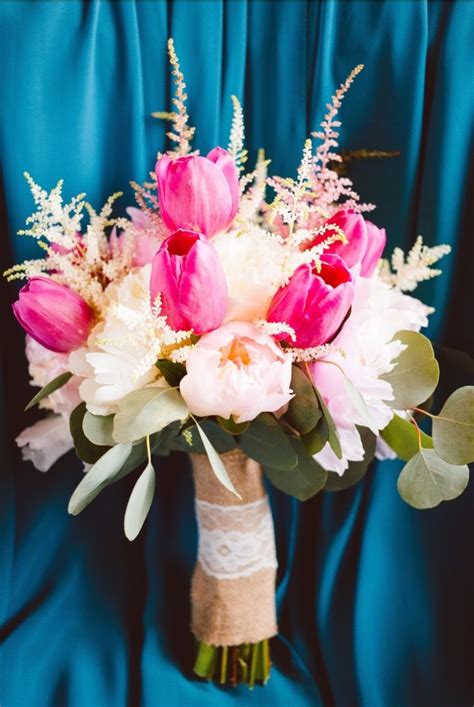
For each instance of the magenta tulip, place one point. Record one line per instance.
(314, 304)
(198, 193)
(187, 273)
(365, 242)
(53, 315)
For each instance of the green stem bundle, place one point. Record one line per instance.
(246, 664)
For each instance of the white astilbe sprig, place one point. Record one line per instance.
(237, 136)
(182, 133)
(407, 272)
(313, 353)
(275, 328)
(252, 199)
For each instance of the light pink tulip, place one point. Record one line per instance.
(187, 273)
(236, 371)
(314, 304)
(53, 315)
(198, 193)
(365, 242)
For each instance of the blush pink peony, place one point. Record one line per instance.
(236, 371)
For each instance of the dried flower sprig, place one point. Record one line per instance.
(237, 136)
(406, 273)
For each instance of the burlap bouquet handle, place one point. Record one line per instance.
(233, 584)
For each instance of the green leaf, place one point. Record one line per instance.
(49, 388)
(304, 412)
(356, 470)
(85, 449)
(333, 435)
(162, 442)
(139, 502)
(305, 480)
(216, 463)
(402, 437)
(315, 440)
(221, 440)
(426, 480)
(265, 441)
(100, 475)
(453, 428)
(416, 371)
(235, 428)
(98, 429)
(146, 411)
(172, 372)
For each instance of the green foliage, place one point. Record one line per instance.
(356, 470)
(85, 449)
(265, 441)
(453, 428)
(304, 411)
(235, 428)
(315, 440)
(426, 480)
(333, 435)
(402, 437)
(191, 441)
(100, 475)
(49, 388)
(305, 480)
(172, 372)
(139, 502)
(98, 429)
(416, 371)
(216, 462)
(146, 411)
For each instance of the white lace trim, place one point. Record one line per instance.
(235, 541)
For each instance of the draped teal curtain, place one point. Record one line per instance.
(375, 599)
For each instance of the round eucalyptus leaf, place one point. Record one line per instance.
(98, 429)
(305, 480)
(139, 502)
(265, 441)
(401, 435)
(427, 480)
(146, 411)
(315, 440)
(416, 372)
(304, 411)
(453, 428)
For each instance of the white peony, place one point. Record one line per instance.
(378, 312)
(122, 349)
(253, 265)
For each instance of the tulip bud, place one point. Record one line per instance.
(314, 304)
(365, 242)
(198, 193)
(53, 315)
(187, 274)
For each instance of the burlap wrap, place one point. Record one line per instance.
(229, 612)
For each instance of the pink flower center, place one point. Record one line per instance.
(236, 352)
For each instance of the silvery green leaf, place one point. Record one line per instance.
(426, 480)
(305, 480)
(401, 435)
(304, 412)
(453, 428)
(100, 475)
(146, 411)
(49, 388)
(139, 502)
(98, 429)
(216, 463)
(333, 435)
(416, 371)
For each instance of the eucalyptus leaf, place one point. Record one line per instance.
(221, 440)
(402, 437)
(333, 435)
(356, 470)
(453, 428)
(426, 480)
(172, 372)
(98, 477)
(216, 463)
(265, 441)
(315, 440)
(416, 371)
(303, 412)
(139, 502)
(49, 388)
(235, 428)
(305, 480)
(146, 411)
(85, 449)
(98, 429)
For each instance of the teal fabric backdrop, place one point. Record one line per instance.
(375, 599)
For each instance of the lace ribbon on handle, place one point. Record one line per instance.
(235, 541)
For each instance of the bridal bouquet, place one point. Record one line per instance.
(260, 335)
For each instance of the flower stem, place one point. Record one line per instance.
(246, 664)
(224, 657)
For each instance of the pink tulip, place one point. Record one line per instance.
(53, 315)
(198, 193)
(365, 242)
(314, 304)
(187, 273)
